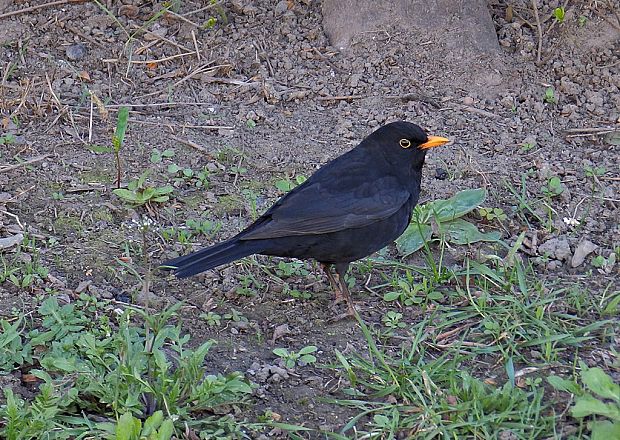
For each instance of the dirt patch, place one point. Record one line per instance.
(261, 97)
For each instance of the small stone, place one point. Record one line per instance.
(584, 248)
(557, 248)
(76, 51)
(130, 11)
(83, 286)
(468, 100)
(441, 173)
(281, 7)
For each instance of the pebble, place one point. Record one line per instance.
(584, 248)
(557, 248)
(76, 52)
(468, 100)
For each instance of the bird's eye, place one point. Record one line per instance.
(405, 143)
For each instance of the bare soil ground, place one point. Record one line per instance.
(261, 98)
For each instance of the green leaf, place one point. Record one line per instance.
(561, 384)
(588, 405)
(163, 190)
(308, 349)
(281, 352)
(284, 185)
(391, 296)
(168, 152)
(308, 359)
(613, 138)
(413, 238)
(600, 383)
(121, 128)
(99, 149)
(173, 168)
(152, 423)
(605, 430)
(155, 156)
(166, 430)
(463, 232)
(125, 194)
(128, 427)
(458, 205)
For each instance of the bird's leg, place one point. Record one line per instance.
(332, 282)
(341, 270)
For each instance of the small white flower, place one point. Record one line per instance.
(571, 221)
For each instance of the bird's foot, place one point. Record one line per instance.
(349, 313)
(342, 316)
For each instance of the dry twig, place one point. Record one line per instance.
(8, 168)
(540, 33)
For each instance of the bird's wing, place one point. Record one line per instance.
(320, 208)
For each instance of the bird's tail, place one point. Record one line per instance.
(211, 257)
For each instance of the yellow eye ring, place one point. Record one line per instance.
(405, 143)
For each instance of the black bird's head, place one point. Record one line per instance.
(404, 144)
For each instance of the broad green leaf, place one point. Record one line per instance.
(121, 128)
(282, 352)
(561, 384)
(308, 349)
(458, 205)
(99, 149)
(605, 430)
(152, 423)
(166, 430)
(588, 405)
(613, 138)
(127, 428)
(125, 194)
(463, 232)
(391, 296)
(163, 190)
(600, 383)
(308, 359)
(413, 238)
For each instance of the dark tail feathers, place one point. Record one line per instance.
(213, 256)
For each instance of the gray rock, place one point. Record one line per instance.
(584, 248)
(76, 52)
(557, 248)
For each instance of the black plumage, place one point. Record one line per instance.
(351, 207)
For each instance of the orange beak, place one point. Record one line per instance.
(434, 141)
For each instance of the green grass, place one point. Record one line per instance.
(472, 363)
(100, 369)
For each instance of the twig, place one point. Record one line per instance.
(158, 104)
(592, 130)
(539, 27)
(159, 38)
(196, 45)
(191, 144)
(90, 120)
(45, 5)
(8, 168)
(180, 17)
(161, 60)
(341, 97)
(88, 38)
(212, 5)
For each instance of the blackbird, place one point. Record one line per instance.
(351, 207)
